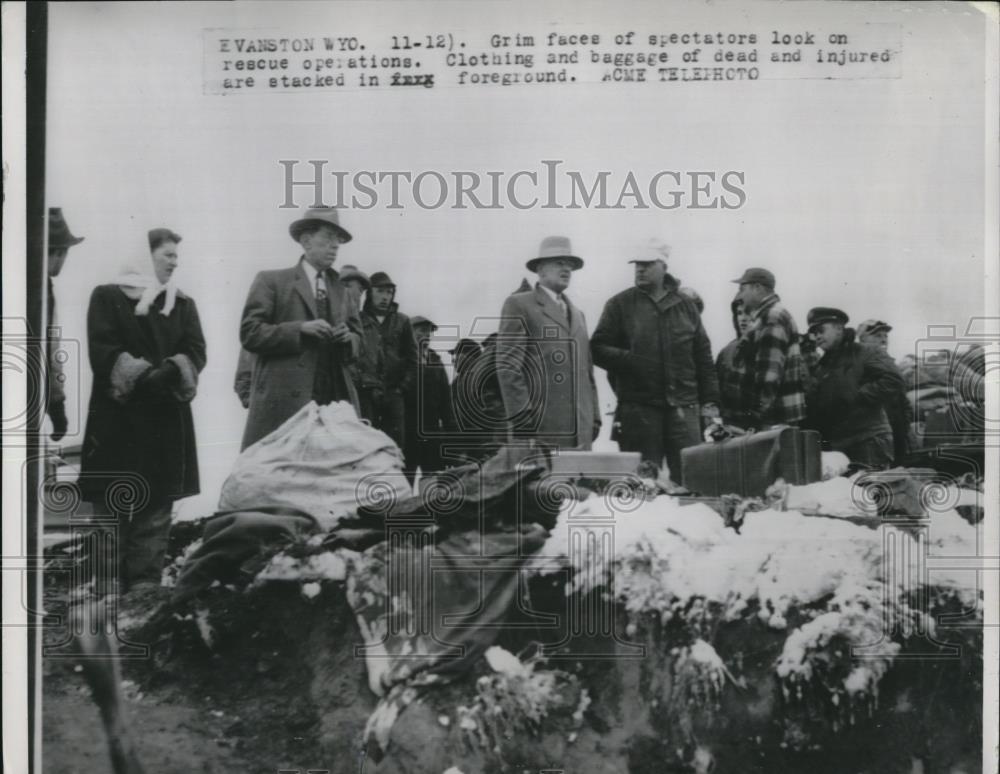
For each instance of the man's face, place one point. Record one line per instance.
(649, 274)
(742, 319)
(878, 339)
(828, 335)
(320, 247)
(555, 274)
(354, 289)
(57, 257)
(751, 294)
(165, 261)
(381, 297)
(422, 333)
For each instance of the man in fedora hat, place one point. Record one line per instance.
(543, 356)
(304, 327)
(768, 356)
(61, 239)
(849, 387)
(652, 343)
(388, 330)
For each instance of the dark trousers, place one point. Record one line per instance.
(876, 452)
(390, 417)
(659, 431)
(140, 543)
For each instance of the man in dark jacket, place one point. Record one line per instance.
(658, 357)
(848, 388)
(61, 239)
(875, 333)
(769, 357)
(367, 366)
(397, 355)
(428, 404)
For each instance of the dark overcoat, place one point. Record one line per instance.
(152, 438)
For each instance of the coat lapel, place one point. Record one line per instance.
(550, 308)
(305, 290)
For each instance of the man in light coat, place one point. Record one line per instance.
(543, 356)
(303, 326)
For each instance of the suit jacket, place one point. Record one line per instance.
(277, 305)
(545, 371)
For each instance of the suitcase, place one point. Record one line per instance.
(951, 426)
(749, 464)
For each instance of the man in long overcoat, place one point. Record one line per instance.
(304, 328)
(543, 356)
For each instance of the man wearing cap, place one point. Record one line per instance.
(430, 417)
(61, 239)
(875, 333)
(304, 327)
(543, 356)
(848, 387)
(652, 343)
(769, 357)
(392, 333)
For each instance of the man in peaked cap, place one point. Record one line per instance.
(61, 239)
(769, 356)
(304, 327)
(850, 384)
(874, 333)
(396, 373)
(651, 341)
(543, 356)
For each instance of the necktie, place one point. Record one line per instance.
(564, 306)
(322, 303)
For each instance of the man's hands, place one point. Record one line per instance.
(57, 413)
(322, 330)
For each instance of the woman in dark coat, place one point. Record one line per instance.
(139, 453)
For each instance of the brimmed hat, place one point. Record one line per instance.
(382, 280)
(873, 326)
(555, 247)
(465, 345)
(650, 251)
(757, 275)
(59, 233)
(418, 321)
(327, 215)
(824, 314)
(349, 272)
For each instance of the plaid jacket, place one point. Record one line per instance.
(774, 371)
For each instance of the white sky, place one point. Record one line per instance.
(862, 194)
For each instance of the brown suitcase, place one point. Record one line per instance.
(749, 464)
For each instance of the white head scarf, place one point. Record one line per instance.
(138, 280)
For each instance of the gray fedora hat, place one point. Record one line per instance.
(313, 215)
(555, 247)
